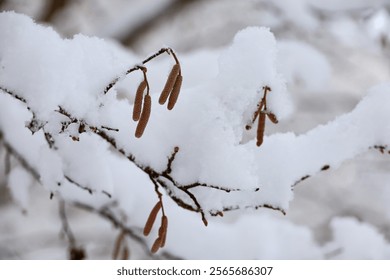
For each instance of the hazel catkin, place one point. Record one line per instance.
(169, 84)
(175, 92)
(260, 129)
(143, 121)
(138, 101)
(152, 218)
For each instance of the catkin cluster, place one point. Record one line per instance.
(162, 231)
(262, 112)
(143, 102)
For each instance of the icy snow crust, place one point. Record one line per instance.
(207, 124)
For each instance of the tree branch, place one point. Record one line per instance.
(75, 252)
(52, 9)
(160, 177)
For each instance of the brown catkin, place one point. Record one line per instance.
(272, 117)
(255, 115)
(143, 121)
(205, 222)
(260, 106)
(163, 230)
(260, 129)
(138, 101)
(169, 84)
(156, 245)
(152, 218)
(175, 92)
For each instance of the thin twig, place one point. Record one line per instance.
(158, 179)
(75, 252)
(140, 67)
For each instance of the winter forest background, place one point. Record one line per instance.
(75, 181)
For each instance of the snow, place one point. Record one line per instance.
(221, 90)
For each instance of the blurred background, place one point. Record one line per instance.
(331, 53)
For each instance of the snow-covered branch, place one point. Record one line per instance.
(77, 98)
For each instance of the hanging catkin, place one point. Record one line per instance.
(143, 121)
(152, 218)
(138, 101)
(260, 129)
(169, 84)
(117, 246)
(163, 230)
(175, 92)
(156, 245)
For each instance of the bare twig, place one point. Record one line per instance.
(141, 67)
(136, 33)
(255, 207)
(168, 170)
(261, 112)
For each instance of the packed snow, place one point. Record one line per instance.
(220, 93)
